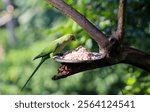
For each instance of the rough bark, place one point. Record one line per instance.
(121, 18)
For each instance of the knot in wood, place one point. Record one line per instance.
(114, 47)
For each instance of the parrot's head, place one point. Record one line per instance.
(68, 38)
(71, 37)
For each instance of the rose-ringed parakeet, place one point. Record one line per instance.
(54, 47)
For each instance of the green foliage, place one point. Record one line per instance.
(37, 24)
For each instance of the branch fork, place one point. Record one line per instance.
(112, 50)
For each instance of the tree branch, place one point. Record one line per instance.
(128, 55)
(95, 33)
(115, 52)
(121, 17)
(136, 58)
(68, 69)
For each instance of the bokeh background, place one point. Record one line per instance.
(27, 26)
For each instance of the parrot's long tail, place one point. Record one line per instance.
(42, 60)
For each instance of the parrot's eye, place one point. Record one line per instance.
(73, 38)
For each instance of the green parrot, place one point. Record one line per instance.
(54, 48)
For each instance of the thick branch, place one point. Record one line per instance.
(95, 33)
(67, 69)
(128, 55)
(136, 58)
(121, 18)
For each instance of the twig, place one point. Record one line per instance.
(121, 18)
(95, 33)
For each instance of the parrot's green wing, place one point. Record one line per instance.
(56, 46)
(48, 50)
